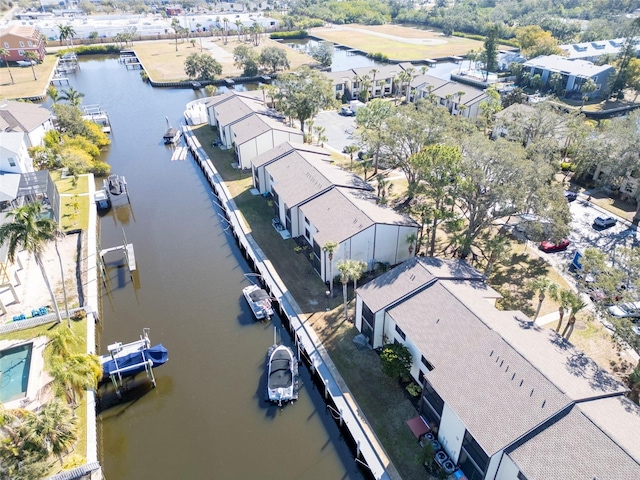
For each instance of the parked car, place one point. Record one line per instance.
(600, 296)
(570, 196)
(602, 223)
(549, 246)
(346, 111)
(625, 310)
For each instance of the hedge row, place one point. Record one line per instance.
(92, 50)
(289, 35)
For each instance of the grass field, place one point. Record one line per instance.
(24, 85)
(397, 42)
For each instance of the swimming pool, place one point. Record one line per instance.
(15, 363)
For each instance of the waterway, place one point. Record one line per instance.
(207, 418)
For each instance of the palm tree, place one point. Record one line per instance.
(66, 33)
(345, 267)
(198, 25)
(52, 91)
(351, 149)
(225, 20)
(4, 53)
(542, 285)
(238, 24)
(75, 374)
(33, 59)
(62, 343)
(576, 304)
(73, 96)
(563, 297)
(53, 428)
(175, 24)
(30, 231)
(411, 240)
(373, 73)
(329, 248)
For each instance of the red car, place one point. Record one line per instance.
(548, 246)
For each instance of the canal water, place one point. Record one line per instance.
(207, 418)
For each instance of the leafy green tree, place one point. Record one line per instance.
(304, 93)
(245, 58)
(490, 53)
(396, 361)
(438, 168)
(322, 53)
(534, 42)
(274, 58)
(587, 88)
(28, 230)
(623, 64)
(202, 66)
(4, 53)
(369, 121)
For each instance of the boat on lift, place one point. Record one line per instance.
(116, 185)
(172, 135)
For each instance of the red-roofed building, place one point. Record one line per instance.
(18, 39)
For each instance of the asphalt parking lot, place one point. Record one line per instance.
(338, 128)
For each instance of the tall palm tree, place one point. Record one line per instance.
(358, 270)
(4, 53)
(53, 428)
(564, 298)
(345, 267)
(542, 285)
(175, 24)
(66, 33)
(225, 32)
(374, 72)
(30, 231)
(33, 59)
(72, 96)
(238, 24)
(329, 248)
(576, 304)
(198, 25)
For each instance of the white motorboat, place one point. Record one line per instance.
(282, 381)
(259, 301)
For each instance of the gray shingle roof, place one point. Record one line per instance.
(574, 448)
(284, 149)
(471, 95)
(496, 393)
(255, 125)
(236, 108)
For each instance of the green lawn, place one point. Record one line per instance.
(74, 201)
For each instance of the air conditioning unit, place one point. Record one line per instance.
(449, 467)
(442, 457)
(435, 445)
(429, 436)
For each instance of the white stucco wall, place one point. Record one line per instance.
(508, 470)
(36, 136)
(451, 433)
(361, 246)
(391, 243)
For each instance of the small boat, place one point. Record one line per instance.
(282, 375)
(116, 185)
(132, 358)
(172, 135)
(26, 63)
(259, 301)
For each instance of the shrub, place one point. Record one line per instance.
(289, 35)
(92, 50)
(381, 57)
(567, 167)
(396, 360)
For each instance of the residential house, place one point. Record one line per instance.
(298, 177)
(322, 203)
(18, 39)
(258, 164)
(592, 51)
(361, 229)
(458, 98)
(508, 400)
(259, 133)
(231, 107)
(574, 74)
(22, 125)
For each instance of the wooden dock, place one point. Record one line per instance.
(128, 253)
(60, 80)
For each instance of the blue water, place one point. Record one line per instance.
(14, 372)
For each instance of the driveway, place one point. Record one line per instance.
(338, 128)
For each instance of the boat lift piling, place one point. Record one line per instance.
(115, 348)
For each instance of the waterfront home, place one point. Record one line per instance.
(229, 108)
(18, 39)
(259, 133)
(574, 74)
(22, 125)
(592, 51)
(505, 398)
(458, 98)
